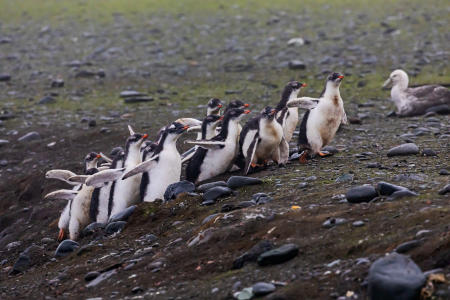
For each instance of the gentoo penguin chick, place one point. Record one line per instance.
(214, 106)
(260, 140)
(236, 104)
(319, 125)
(216, 156)
(162, 168)
(419, 100)
(90, 162)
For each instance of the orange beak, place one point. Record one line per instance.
(185, 127)
(340, 77)
(246, 105)
(145, 136)
(98, 156)
(304, 84)
(219, 106)
(221, 118)
(272, 112)
(246, 112)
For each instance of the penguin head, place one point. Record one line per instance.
(236, 114)
(237, 104)
(335, 79)
(90, 161)
(212, 120)
(115, 151)
(268, 113)
(290, 91)
(136, 140)
(214, 106)
(176, 128)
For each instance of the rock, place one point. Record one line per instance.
(217, 192)
(363, 193)
(444, 190)
(245, 204)
(358, 223)
(22, 264)
(115, 227)
(296, 65)
(30, 136)
(387, 189)
(441, 171)
(374, 165)
(4, 142)
(57, 83)
(252, 254)
(237, 64)
(278, 255)
(330, 149)
(395, 277)
(428, 152)
(101, 277)
(91, 276)
(92, 228)
(263, 288)
(402, 194)
(149, 238)
(422, 233)
(405, 247)
(138, 99)
(202, 237)
(344, 178)
(261, 198)
(92, 123)
(240, 181)
(130, 93)
(311, 178)
(65, 248)
(209, 218)
(123, 215)
(404, 149)
(47, 240)
(245, 294)
(204, 187)
(296, 42)
(302, 185)
(331, 222)
(208, 202)
(3, 163)
(174, 189)
(5, 77)
(47, 100)
(137, 290)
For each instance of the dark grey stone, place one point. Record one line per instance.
(209, 218)
(208, 202)
(402, 194)
(404, 149)
(297, 65)
(101, 278)
(263, 288)
(115, 227)
(217, 192)
(5, 77)
(261, 198)
(57, 83)
(92, 123)
(445, 190)
(92, 228)
(130, 93)
(395, 277)
(240, 181)
(358, 223)
(428, 152)
(387, 189)
(91, 276)
(344, 178)
(278, 255)
(252, 254)
(47, 100)
(123, 215)
(363, 193)
(4, 142)
(441, 171)
(174, 189)
(331, 222)
(330, 149)
(204, 187)
(66, 247)
(138, 99)
(30, 136)
(405, 247)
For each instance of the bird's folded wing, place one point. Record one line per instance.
(98, 179)
(61, 194)
(303, 102)
(140, 168)
(207, 144)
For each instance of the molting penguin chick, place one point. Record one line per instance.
(216, 156)
(319, 125)
(260, 140)
(214, 106)
(236, 104)
(162, 168)
(419, 100)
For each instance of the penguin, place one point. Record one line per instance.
(162, 168)
(319, 125)
(216, 156)
(260, 140)
(236, 104)
(214, 106)
(123, 193)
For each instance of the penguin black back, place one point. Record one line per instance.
(193, 167)
(302, 137)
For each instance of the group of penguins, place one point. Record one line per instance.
(144, 169)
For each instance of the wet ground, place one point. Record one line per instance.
(180, 56)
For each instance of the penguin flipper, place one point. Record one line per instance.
(140, 168)
(103, 167)
(78, 179)
(303, 102)
(194, 129)
(188, 157)
(189, 122)
(62, 175)
(106, 158)
(98, 179)
(207, 144)
(344, 119)
(61, 194)
(251, 153)
(188, 153)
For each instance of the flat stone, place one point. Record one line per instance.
(263, 288)
(4, 142)
(66, 247)
(395, 277)
(358, 223)
(330, 149)
(253, 253)
(47, 100)
(115, 227)
(344, 178)
(387, 189)
(240, 181)
(404, 149)
(441, 171)
(261, 198)
(130, 93)
(5, 77)
(174, 189)
(91, 276)
(444, 190)
(363, 193)
(296, 65)
(57, 83)
(422, 233)
(216, 192)
(428, 152)
(209, 218)
(206, 186)
(331, 222)
(402, 194)
(405, 247)
(92, 228)
(123, 215)
(102, 277)
(30, 136)
(138, 99)
(278, 255)
(245, 294)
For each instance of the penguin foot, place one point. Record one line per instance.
(303, 156)
(281, 165)
(61, 235)
(324, 154)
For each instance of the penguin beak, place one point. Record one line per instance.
(304, 84)
(246, 111)
(221, 118)
(246, 105)
(145, 136)
(186, 127)
(219, 106)
(98, 156)
(341, 77)
(272, 112)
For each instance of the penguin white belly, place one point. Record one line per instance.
(64, 219)
(126, 192)
(103, 201)
(79, 213)
(290, 123)
(270, 137)
(166, 172)
(217, 162)
(323, 122)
